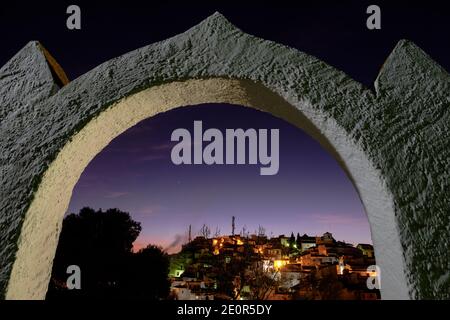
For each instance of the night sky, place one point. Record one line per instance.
(134, 173)
(334, 31)
(310, 194)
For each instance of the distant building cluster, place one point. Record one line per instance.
(277, 268)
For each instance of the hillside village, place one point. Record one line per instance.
(244, 266)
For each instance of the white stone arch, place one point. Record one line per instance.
(32, 269)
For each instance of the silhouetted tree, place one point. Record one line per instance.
(217, 232)
(326, 286)
(291, 240)
(100, 243)
(147, 274)
(205, 231)
(261, 231)
(261, 282)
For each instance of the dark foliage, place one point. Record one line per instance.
(100, 243)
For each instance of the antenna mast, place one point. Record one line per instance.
(232, 226)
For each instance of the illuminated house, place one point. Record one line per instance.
(274, 253)
(314, 259)
(191, 290)
(327, 238)
(284, 241)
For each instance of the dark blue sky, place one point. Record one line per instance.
(310, 194)
(334, 31)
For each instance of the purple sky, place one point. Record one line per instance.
(310, 194)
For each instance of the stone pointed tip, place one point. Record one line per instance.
(404, 46)
(34, 43)
(217, 16)
(213, 27)
(36, 48)
(32, 74)
(404, 42)
(408, 51)
(32, 47)
(406, 62)
(215, 20)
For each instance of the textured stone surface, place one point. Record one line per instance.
(394, 143)
(413, 142)
(25, 82)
